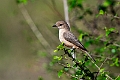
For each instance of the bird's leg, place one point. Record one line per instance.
(73, 53)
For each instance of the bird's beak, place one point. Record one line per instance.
(54, 25)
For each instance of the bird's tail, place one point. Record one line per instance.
(90, 56)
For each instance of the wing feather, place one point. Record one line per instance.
(73, 39)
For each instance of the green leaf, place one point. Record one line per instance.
(115, 62)
(111, 29)
(80, 37)
(61, 46)
(68, 65)
(55, 51)
(101, 12)
(60, 73)
(57, 57)
(108, 31)
(102, 70)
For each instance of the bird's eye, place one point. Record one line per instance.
(61, 24)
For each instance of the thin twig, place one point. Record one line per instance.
(64, 65)
(99, 70)
(117, 45)
(70, 75)
(103, 62)
(97, 56)
(115, 17)
(101, 66)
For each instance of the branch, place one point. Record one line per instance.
(117, 45)
(81, 67)
(101, 66)
(99, 70)
(108, 58)
(66, 11)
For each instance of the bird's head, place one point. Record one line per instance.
(61, 25)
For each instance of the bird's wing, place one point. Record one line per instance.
(73, 39)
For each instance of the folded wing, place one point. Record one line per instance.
(73, 39)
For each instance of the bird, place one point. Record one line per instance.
(68, 38)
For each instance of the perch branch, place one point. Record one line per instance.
(78, 64)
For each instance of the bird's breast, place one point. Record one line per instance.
(62, 39)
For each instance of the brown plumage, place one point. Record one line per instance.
(73, 39)
(68, 38)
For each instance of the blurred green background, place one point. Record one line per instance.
(21, 54)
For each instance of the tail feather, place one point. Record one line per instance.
(90, 56)
(87, 52)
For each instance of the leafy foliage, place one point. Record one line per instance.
(60, 73)
(103, 37)
(81, 68)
